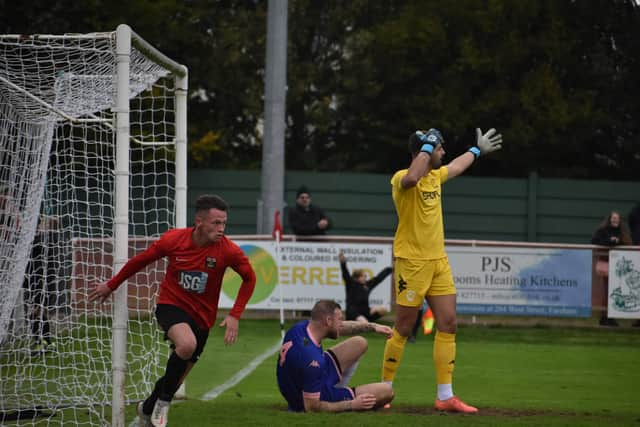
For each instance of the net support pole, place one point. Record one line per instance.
(121, 223)
(181, 149)
(181, 84)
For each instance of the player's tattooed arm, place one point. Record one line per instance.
(361, 402)
(350, 327)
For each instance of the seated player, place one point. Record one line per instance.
(314, 380)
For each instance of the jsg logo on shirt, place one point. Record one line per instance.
(193, 281)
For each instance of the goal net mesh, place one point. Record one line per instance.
(57, 195)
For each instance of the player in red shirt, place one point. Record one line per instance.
(188, 299)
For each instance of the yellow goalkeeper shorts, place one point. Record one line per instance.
(415, 279)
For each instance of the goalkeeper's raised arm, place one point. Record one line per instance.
(485, 143)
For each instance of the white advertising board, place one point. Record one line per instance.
(522, 281)
(624, 284)
(307, 272)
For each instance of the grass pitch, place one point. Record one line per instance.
(516, 376)
(537, 376)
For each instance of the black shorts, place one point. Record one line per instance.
(169, 315)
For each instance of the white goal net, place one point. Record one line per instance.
(92, 169)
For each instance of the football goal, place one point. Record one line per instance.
(92, 169)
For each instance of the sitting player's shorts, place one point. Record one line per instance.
(415, 279)
(169, 315)
(329, 392)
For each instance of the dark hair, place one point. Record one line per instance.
(208, 201)
(302, 190)
(625, 234)
(357, 273)
(324, 307)
(418, 138)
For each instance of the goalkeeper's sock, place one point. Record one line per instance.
(445, 391)
(347, 374)
(176, 367)
(444, 357)
(393, 350)
(147, 406)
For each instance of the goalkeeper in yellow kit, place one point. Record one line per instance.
(421, 267)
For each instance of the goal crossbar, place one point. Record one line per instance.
(141, 44)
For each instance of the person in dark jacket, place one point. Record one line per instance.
(305, 218)
(358, 289)
(634, 228)
(611, 232)
(634, 224)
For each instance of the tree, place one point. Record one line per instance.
(558, 78)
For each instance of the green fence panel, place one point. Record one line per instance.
(519, 209)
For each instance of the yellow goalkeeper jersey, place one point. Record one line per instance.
(420, 232)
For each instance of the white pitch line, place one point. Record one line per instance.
(241, 374)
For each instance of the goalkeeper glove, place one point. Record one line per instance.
(487, 143)
(430, 139)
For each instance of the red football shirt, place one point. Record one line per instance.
(194, 274)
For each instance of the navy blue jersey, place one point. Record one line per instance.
(301, 368)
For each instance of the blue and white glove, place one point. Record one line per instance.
(487, 143)
(430, 139)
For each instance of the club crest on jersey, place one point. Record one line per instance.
(210, 262)
(411, 295)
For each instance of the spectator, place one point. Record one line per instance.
(314, 380)
(634, 228)
(611, 232)
(634, 224)
(9, 215)
(40, 274)
(307, 219)
(9, 223)
(358, 289)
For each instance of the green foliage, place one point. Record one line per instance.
(559, 79)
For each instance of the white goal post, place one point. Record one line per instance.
(93, 158)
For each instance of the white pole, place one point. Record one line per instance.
(279, 284)
(181, 149)
(181, 169)
(121, 224)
